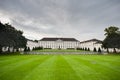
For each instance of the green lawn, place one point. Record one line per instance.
(60, 67)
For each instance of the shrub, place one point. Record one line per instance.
(37, 48)
(85, 49)
(28, 49)
(25, 49)
(88, 49)
(94, 49)
(99, 50)
(33, 48)
(17, 50)
(78, 48)
(8, 49)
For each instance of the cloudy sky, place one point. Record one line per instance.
(80, 19)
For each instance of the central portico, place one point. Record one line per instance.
(59, 43)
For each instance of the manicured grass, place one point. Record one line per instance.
(60, 67)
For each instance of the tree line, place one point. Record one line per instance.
(11, 37)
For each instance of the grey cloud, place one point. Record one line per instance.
(67, 18)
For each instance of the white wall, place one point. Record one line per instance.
(91, 45)
(59, 44)
(32, 44)
(4, 49)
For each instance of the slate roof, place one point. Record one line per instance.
(97, 41)
(32, 40)
(55, 39)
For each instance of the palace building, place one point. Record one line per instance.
(65, 43)
(91, 44)
(59, 43)
(31, 44)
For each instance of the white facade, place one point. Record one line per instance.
(94, 43)
(66, 43)
(91, 44)
(11, 49)
(59, 43)
(32, 44)
(5, 49)
(29, 44)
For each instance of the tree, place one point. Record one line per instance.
(94, 49)
(28, 49)
(112, 39)
(25, 49)
(0, 49)
(10, 37)
(33, 48)
(36, 40)
(88, 49)
(85, 49)
(8, 50)
(17, 50)
(78, 48)
(111, 30)
(99, 50)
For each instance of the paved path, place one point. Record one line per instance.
(82, 52)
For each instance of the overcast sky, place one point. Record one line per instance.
(80, 19)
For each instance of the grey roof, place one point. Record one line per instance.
(32, 40)
(55, 39)
(97, 41)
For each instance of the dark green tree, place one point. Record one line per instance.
(112, 39)
(25, 49)
(8, 50)
(99, 50)
(88, 49)
(85, 49)
(33, 48)
(17, 50)
(78, 48)
(10, 37)
(94, 49)
(28, 49)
